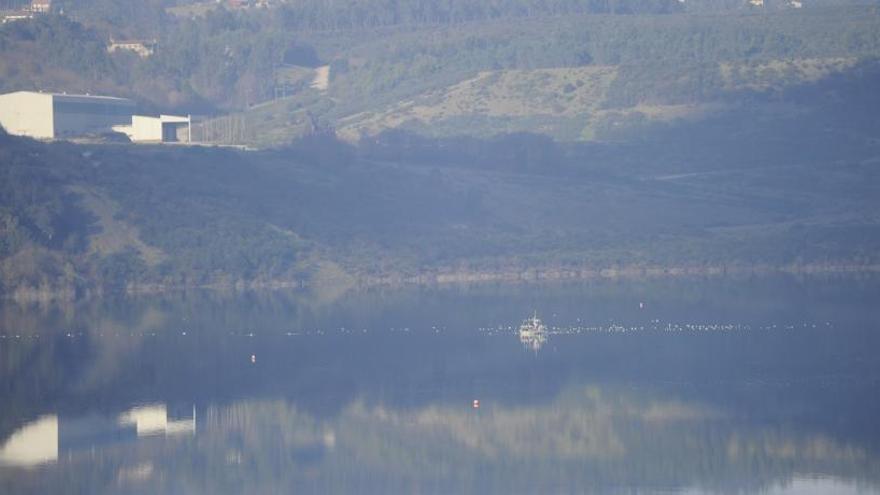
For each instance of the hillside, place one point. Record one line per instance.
(577, 78)
(762, 187)
(569, 70)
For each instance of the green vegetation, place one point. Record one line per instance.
(412, 79)
(383, 54)
(760, 186)
(204, 64)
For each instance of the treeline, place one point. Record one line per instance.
(361, 14)
(716, 6)
(121, 19)
(217, 61)
(46, 222)
(149, 16)
(225, 60)
(671, 59)
(53, 42)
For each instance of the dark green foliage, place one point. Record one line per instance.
(385, 51)
(12, 235)
(219, 60)
(301, 55)
(117, 269)
(365, 14)
(33, 205)
(750, 187)
(322, 148)
(517, 152)
(662, 59)
(61, 43)
(144, 18)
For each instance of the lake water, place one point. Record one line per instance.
(688, 386)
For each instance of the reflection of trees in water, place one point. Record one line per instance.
(696, 433)
(589, 438)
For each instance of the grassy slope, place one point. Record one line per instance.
(578, 78)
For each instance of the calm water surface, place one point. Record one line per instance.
(677, 386)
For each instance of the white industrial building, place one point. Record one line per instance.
(161, 129)
(53, 115)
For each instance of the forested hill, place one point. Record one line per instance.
(477, 140)
(562, 68)
(786, 183)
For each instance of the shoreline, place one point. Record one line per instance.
(444, 277)
(633, 272)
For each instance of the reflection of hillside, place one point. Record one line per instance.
(389, 411)
(252, 420)
(594, 439)
(502, 433)
(126, 350)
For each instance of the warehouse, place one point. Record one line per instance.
(53, 115)
(161, 129)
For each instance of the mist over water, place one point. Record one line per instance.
(667, 386)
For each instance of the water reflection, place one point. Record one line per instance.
(33, 444)
(589, 439)
(155, 420)
(45, 439)
(533, 333)
(697, 392)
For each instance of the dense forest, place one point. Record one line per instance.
(224, 59)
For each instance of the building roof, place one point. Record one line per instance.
(77, 97)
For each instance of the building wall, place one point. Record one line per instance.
(78, 115)
(145, 129)
(27, 114)
(162, 129)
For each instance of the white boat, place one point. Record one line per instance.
(533, 333)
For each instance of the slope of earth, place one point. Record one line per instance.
(576, 78)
